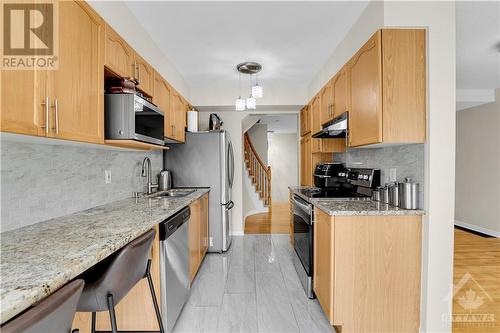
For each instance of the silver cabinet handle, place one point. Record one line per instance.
(56, 107)
(47, 106)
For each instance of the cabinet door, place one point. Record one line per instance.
(204, 226)
(340, 93)
(161, 98)
(23, 97)
(366, 94)
(194, 238)
(326, 103)
(305, 161)
(118, 56)
(77, 86)
(323, 261)
(315, 115)
(145, 75)
(176, 115)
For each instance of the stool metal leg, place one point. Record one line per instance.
(153, 295)
(93, 323)
(112, 316)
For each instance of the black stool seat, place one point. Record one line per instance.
(108, 282)
(53, 314)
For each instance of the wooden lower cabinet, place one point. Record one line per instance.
(135, 312)
(198, 234)
(367, 271)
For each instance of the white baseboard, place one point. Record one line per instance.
(238, 233)
(482, 230)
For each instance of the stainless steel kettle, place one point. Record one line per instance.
(164, 180)
(214, 122)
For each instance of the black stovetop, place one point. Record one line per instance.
(329, 193)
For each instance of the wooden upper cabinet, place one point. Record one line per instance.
(340, 93)
(386, 83)
(177, 117)
(365, 120)
(23, 97)
(76, 87)
(323, 279)
(326, 112)
(144, 73)
(305, 121)
(404, 85)
(161, 97)
(118, 55)
(315, 114)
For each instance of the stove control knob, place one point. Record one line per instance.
(365, 177)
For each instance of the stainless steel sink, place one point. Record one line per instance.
(173, 193)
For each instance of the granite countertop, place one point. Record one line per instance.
(353, 207)
(344, 207)
(38, 259)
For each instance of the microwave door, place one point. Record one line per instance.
(149, 123)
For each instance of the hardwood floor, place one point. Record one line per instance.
(476, 300)
(276, 222)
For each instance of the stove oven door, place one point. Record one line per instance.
(303, 232)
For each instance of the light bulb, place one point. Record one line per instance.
(257, 91)
(251, 103)
(239, 104)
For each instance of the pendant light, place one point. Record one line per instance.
(251, 101)
(239, 104)
(249, 68)
(256, 89)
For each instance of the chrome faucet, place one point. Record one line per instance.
(146, 172)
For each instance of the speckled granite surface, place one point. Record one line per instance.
(358, 207)
(38, 259)
(343, 206)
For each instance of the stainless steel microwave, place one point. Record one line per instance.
(131, 117)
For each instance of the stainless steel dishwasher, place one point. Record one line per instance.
(174, 266)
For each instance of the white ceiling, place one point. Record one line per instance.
(285, 123)
(206, 40)
(478, 51)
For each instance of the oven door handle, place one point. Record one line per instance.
(304, 206)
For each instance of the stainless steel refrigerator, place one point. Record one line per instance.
(206, 159)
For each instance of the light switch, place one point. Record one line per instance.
(107, 176)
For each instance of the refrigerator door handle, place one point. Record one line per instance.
(230, 161)
(229, 205)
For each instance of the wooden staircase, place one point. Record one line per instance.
(260, 174)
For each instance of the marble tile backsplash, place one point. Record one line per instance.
(407, 159)
(44, 181)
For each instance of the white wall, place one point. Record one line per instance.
(121, 19)
(258, 137)
(439, 20)
(283, 152)
(477, 189)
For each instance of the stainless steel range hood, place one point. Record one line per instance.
(335, 128)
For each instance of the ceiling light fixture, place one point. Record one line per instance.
(249, 68)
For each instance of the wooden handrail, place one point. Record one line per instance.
(258, 171)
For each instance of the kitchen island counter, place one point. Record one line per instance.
(40, 258)
(345, 207)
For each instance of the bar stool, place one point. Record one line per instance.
(53, 314)
(107, 283)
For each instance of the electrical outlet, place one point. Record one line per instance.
(107, 176)
(211, 241)
(392, 175)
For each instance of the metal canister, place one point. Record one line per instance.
(164, 180)
(408, 194)
(394, 194)
(376, 193)
(384, 194)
